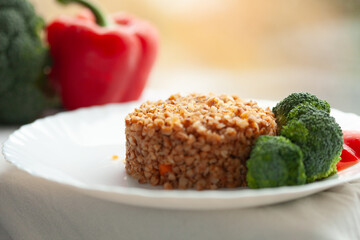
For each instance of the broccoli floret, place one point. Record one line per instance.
(26, 110)
(282, 109)
(319, 137)
(302, 109)
(22, 61)
(275, 161)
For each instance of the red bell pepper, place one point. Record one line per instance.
(96, 62)
(351, 152)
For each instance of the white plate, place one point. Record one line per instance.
(76, 148)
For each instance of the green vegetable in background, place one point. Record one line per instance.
(275, 161)
(23, 58)
(282, 109)
(319, 137)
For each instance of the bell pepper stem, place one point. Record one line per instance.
(99, 16)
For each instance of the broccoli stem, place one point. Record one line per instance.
(99, 16)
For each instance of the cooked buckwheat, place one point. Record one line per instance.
(196, 141)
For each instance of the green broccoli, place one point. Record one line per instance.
(319, 137)
(275, 161)
(302, 109)
(23, 58)
(282, 109)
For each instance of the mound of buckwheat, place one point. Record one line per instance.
(195, 141)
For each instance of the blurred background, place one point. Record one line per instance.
(252, 48)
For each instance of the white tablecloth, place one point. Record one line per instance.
(35, 209)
